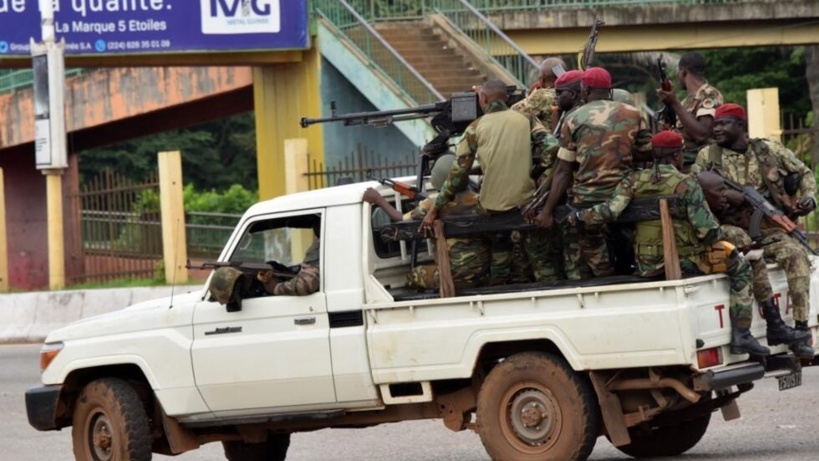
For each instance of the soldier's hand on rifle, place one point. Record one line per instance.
(269, 281)
(667, 97)
(426, 224)
(805, 205)
(545, 220)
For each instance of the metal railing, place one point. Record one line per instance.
(511, 5)
(355, 166)
(207, 233)
(14, 79)
(472, 23)
(348, 24)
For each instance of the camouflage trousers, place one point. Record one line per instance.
(761, 284)
(520, 257)
(586, 253)
(739, 278)
(792, 257)
(468, 261)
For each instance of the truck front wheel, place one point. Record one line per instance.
(533, 406)
(274, 449)
(673, 440)
(110, 423)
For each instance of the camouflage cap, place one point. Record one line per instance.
(223, 283)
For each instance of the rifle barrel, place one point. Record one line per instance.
(356, 118)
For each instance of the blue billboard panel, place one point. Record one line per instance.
(100, 27)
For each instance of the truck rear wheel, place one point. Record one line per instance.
(110, 423)
(533, 406)
(648, 442)
(274, 449)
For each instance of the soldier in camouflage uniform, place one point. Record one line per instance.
(469, 257)
(509, 146)
(699, 240)
(540, 102)
(777, 331)
(306, 280)
(599, 138)
(764, 164)
(695, 114)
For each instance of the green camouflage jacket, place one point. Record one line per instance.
(601, 137)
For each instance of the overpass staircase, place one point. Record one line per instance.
(422, 57)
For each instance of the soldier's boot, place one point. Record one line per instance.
(742, 342)
(778, 332)
(802, 349)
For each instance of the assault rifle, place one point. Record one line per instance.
(666, 115)
(764, 208)
(279, 270)
(411, 192)
(584, 59)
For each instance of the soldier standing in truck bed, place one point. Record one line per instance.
(507, 144)
(695, 114)
(599, 140)
(540, 102)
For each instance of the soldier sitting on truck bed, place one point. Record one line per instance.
(469, 257)
(713, 185)
(700, 241)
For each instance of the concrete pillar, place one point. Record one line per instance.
(763, 113)
(4, 246)
(174, 243)
(282, 94)
(56, 242)
(295, 167)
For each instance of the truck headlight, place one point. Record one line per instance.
(48, 353)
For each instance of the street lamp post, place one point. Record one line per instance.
(48, 65)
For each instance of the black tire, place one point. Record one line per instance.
(274, 449)
(110, 423)
(533, 406)
(674, 440)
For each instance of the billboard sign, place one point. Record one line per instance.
(114, 27)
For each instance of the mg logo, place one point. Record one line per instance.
(240, 16)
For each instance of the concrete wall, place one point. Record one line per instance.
(29, 317)
(340, 141)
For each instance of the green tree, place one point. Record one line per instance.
(215, 155)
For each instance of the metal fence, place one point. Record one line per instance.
(13, 79)
(356, 166)
(120, 228)
(207, 233)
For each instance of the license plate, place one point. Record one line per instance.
(790, 381)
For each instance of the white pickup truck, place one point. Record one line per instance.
(539, 372)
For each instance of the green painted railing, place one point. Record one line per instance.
(347, 23)
(408, 9)
(14, 79)
(506, 5)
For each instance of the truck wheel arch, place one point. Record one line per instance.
(491, 352)
(77, 380)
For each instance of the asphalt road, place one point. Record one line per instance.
(775, 425)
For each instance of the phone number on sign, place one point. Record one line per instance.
(136, 45)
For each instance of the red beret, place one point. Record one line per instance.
(730, 110)
(568, 77)
(596, 77)
(667, 139)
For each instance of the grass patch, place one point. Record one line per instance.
(127, 282)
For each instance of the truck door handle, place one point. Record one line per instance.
(305, 321)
